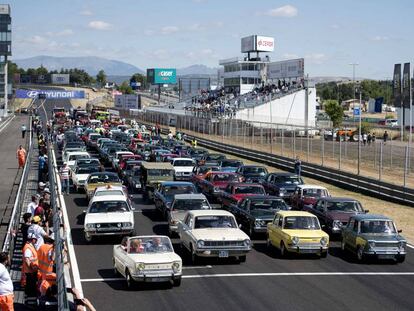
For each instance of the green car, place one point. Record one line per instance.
(369, 235)
(152, 174)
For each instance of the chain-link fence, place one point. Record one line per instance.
(391, 160)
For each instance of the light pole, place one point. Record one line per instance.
(353, 74)
(359, 130)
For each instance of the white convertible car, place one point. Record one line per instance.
(213, 233)
(147, 259)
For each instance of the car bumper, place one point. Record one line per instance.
(121, 231)
(221, 252)
(260, 229)
(183, 178)
(303, 249)
(156, 276)
(385, 254)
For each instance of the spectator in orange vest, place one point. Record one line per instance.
(6, 284)
(46, 256)
(21, 156)
(30, 265)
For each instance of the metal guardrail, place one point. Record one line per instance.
(14, 224)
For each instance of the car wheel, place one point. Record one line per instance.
(129, 280)
(268, 243)
(360, 254)
(343, 245)
(283, 251)
(170, 233)
(242, 259)
(116, 272)
(88, 237)
(251, 231)
(323, 254)
(75, 188)
(177, 282)
(194, 257)
(400, 258)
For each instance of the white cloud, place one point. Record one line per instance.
(99, 25)
(167, 30)
(36, 40)
(380, 38)
(196, 27)
(315, 58)
(283, 11)
(86, 12)
(63, 33)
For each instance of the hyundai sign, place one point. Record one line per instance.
(50, 94)
(162, 76)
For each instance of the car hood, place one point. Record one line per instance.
(220, 184)
(338, 215)
(263, 214)
(239, 197)
(306, 233)
(222, 234)
(95, 185)
(150, 258)
(253, 175)
(109, 217)
(382, 238)
(188, 169)
(82, 176)
(178, 215)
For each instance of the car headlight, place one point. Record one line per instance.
(200, 243)
(140, 266)
(91, 226)
(127, 224)
(216, 189)
(176, 266)
(402, 245)
(247, 242)
(324, 241)
(295, 240)
(119, 225)
(282, 192)
(259, 223)
(371, 244)
(337, 224)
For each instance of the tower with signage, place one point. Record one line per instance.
(5, 51)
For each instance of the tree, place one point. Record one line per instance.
(125, 88)
(334, 111)
(101, 77)
(41, 70)
(137, 77)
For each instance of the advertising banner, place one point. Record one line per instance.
(60, 78)
(51, 94)
(165, 76)
(128, 101)
(406, 85)
(265, 44)
(248, 44)
(396, 85)
(293, 68)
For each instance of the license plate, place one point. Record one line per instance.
(223, 254)
(137, 186)
(386, 256)
(154, 279)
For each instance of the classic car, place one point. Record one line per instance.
(133, 180)
(214, 182)
(253, 213)
(181, 204)
(334, 212)
(108, 215)
(307, 195)
(369, 235)
(200, 172)
(92, 140)
(212, 157)
(197, 153)
(110, 190)
(164, 195)
(125, 158)
(252, 173)
(183, 168)
(152, 175)
(235, 192)
(297, 232)
(281, 184)
(80, 174)
(71, 157)
(128, 168)
(118, 155)
(230, 165)
(100, 179)
(147, 259)
(213, 233)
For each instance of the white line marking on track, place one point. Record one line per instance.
(275, 274)
(410, 246)
(198, 267)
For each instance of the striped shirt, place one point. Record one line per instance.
(64, 172)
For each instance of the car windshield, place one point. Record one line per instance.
(350, 206)
(287, 180)
(188, 205)
(87, 161)
(314, 192)
(109, 207)
(108, 192)
(225, 177)
(74, 157)
(378, 226)
(231, 163)
(151, 245)
(137, 171)
(103, 178)
(255, 170)
(172, 190)
(214, 222)
(183, 163)
(301, 223)
(268, 204)
(87, 169)
(215, 157)
(249, 189)
(157, 172)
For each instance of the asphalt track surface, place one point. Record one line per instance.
(264, 282)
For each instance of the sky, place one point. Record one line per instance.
(329, 34)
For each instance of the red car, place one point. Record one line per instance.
(127, 157)
(235, 192)
(215, 182)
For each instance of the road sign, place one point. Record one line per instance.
(357, 111)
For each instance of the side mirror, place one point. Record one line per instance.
(366, 211)
(323, 226)
(399, 231)
(240, 226)
(84, 211)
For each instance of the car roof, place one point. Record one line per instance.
(108, 198)
(284, 174)
(178, 159)
(210, 213)
(339, 199)
(262, 197)
(360, 217)
(157, 165)
(295, 213)
(193, 196)
(104, 173)
(176, 183)
(311, 187)
(245, 184)
(105, 188)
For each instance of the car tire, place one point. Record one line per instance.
(400, 258)
(360, 254)
(116, 272)
(323, 254)
(269, 245)
(88, 237)
(343, 245)
(251, 232)
(194, 257)
(282, 250)
(130, 283)
(242, 259)
(177, 282)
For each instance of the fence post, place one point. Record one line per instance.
(223, 127)
(405, 166)
(271, 138)
(282, 135)
(252, 136)
(380, 161)
(244, 130)
(307, 144)
(340, 153)
(294, 142)
(323, 148)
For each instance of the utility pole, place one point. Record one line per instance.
(353, 74)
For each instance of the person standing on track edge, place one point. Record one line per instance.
(64, 177)
(24, 129)
(298, 166)
(30, 266)
(21, 156)
(6, 284)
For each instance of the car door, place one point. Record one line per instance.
(353, 235)
(237, 210)
(273, 230)
(185, 231)
(244, 214)
(319, 211)
(120, 258)
(158, 197)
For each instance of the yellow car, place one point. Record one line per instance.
(297, 232)
(99, 179)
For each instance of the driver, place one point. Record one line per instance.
(156, 245)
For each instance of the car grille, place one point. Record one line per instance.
(223, 243)
(386, 244)
(107, 227)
